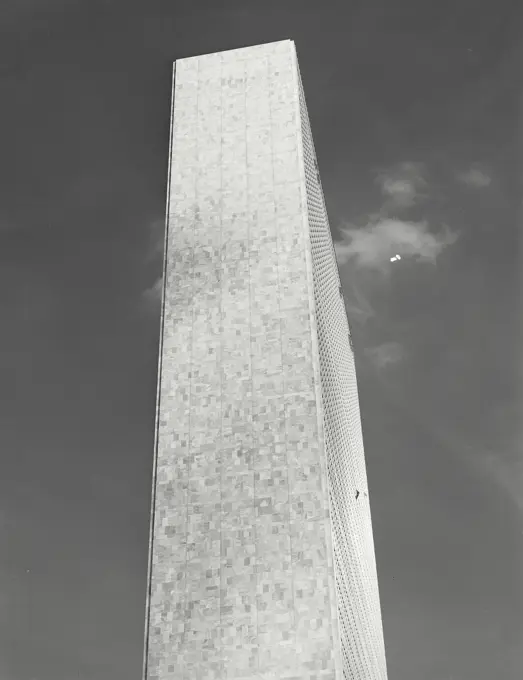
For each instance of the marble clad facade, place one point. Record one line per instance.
(262, 562)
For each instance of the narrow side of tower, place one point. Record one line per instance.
(356, 574)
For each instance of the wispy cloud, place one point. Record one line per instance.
(384, 241)
(357, 304)
(509, 475)
(153, 294)
(385, 354)
(504, 462)
(373, 245)
(403, 184)
(386, 234)
(476, 177)
(156, 240)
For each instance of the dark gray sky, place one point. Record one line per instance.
(415, 108)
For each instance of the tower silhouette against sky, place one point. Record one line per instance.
(261, 563)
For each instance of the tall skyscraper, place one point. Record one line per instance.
(261, 552)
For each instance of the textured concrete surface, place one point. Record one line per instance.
(245, 551)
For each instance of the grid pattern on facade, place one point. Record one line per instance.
(356, 577)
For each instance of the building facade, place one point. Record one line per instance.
(261, 562)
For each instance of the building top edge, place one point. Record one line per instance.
(239, 50)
